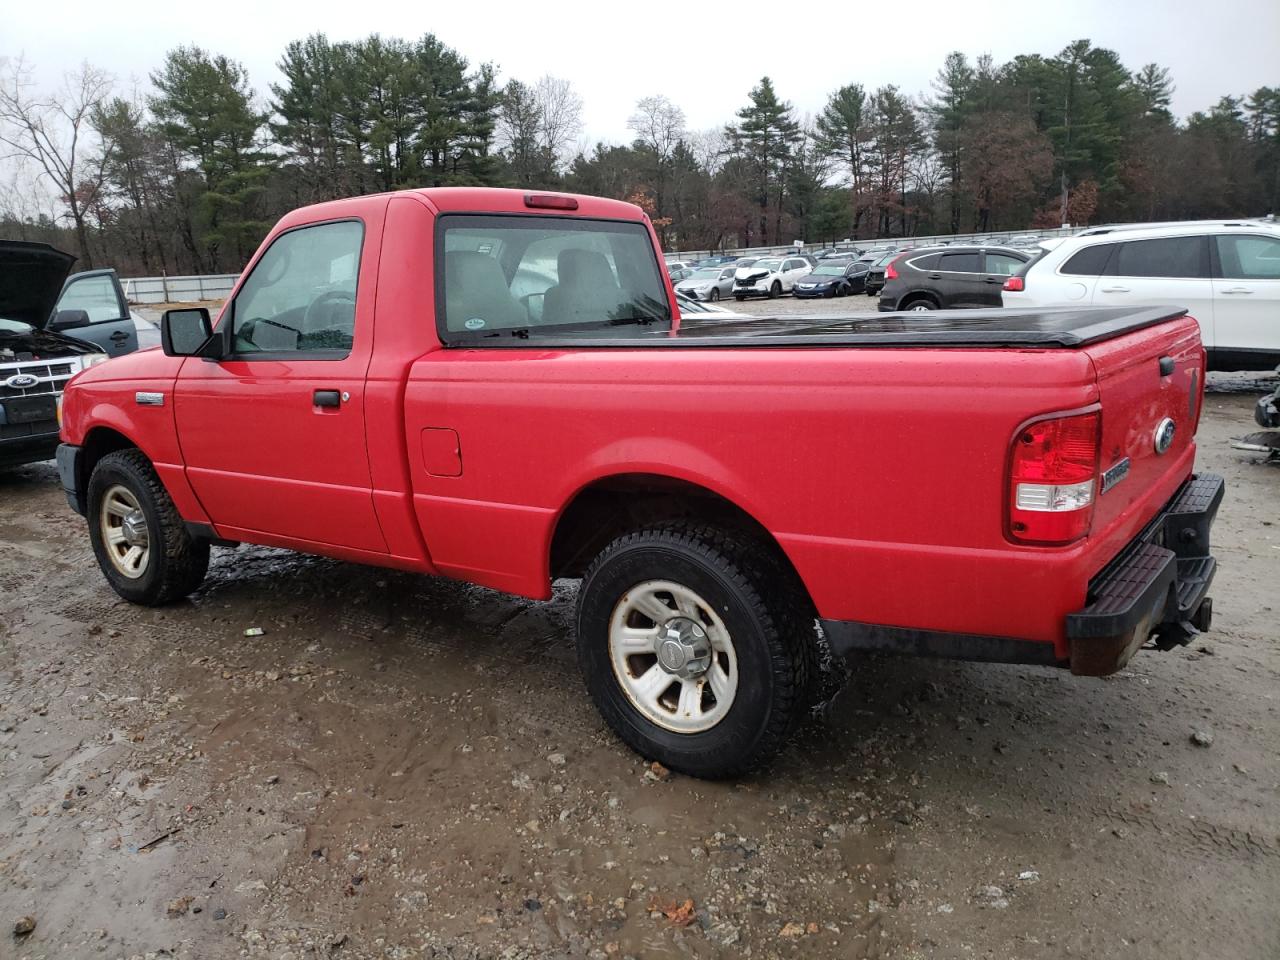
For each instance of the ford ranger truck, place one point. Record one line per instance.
(496, 386)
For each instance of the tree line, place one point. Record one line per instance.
(188, 177)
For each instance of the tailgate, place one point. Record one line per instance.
(1150, 382)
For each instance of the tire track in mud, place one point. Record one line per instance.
(1199, 835)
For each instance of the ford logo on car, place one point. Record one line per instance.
(1164, 435)
(21, 381)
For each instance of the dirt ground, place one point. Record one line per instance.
(406, 767)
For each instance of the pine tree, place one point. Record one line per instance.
(764, 136)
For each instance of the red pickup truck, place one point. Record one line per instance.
(497, 386)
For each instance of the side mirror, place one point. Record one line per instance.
(69, 320)
(184, 332)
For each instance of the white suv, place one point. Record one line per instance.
(1227, 276)
(770, 276)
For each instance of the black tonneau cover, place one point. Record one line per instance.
(1043, 328)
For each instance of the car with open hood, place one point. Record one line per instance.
(769, 276)
(36, 358)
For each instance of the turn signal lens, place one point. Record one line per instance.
(1053, 473)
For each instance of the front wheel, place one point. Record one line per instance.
(775, 290)
(739, 297)
(693, 648)
(138, 537)
(715, 295)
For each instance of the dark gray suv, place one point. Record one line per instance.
(941, 277)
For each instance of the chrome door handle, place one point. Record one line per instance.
(1238, 290)
(1114, 290)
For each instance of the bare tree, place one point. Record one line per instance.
(56, 134)
(560, 108)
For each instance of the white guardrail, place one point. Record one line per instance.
(178, 289)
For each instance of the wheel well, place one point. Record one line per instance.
(919, 295)
(99, 442)
(615, 505)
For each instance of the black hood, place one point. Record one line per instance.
(31, 279)
(40, 345)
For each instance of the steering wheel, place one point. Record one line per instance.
(329, 296)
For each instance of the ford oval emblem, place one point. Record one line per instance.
(21, 381)
(1164, 435)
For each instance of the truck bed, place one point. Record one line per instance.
(1044, 328)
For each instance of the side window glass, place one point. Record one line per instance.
(96, 296)
(1089, 262)
(1165, 257)
(301, 295)
(1003, 265)
(959, 263)
(1249, 258)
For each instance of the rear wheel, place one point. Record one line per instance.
(775, 290)
(693, 648)
(138, 537)
(919, 306)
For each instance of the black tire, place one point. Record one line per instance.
(739, 297)
(768, 618)
(919, 303)
(715, 295)
(176, 562)
(775, 290)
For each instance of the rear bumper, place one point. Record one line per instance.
(1155, 589)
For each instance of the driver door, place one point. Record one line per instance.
(273, 436)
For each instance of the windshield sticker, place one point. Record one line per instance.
(475, 323)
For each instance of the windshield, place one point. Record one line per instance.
(886, 259)
(831, 270)
(706, 273)
(14, 326)
(767, 264)
(520, 275)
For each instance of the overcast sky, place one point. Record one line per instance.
(704, 56)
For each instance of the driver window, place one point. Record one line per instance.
(301, 295)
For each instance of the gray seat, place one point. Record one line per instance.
(586, 292)
(475, 288)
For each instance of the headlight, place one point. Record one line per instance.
(92, 360)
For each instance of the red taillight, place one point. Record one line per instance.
(889, 272)
(1015, 285)
(550, 201)
(1053, 473)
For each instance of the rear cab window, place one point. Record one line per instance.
(519, 276)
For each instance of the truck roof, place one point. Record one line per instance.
(475, 200)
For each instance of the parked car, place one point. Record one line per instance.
(718, 261)
(37, 361)
(708, 283)
(875, 274)
(954, 276)
(1228, 277)
(833, 278)
(550, 416)
(679, 271)
(769, 276)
